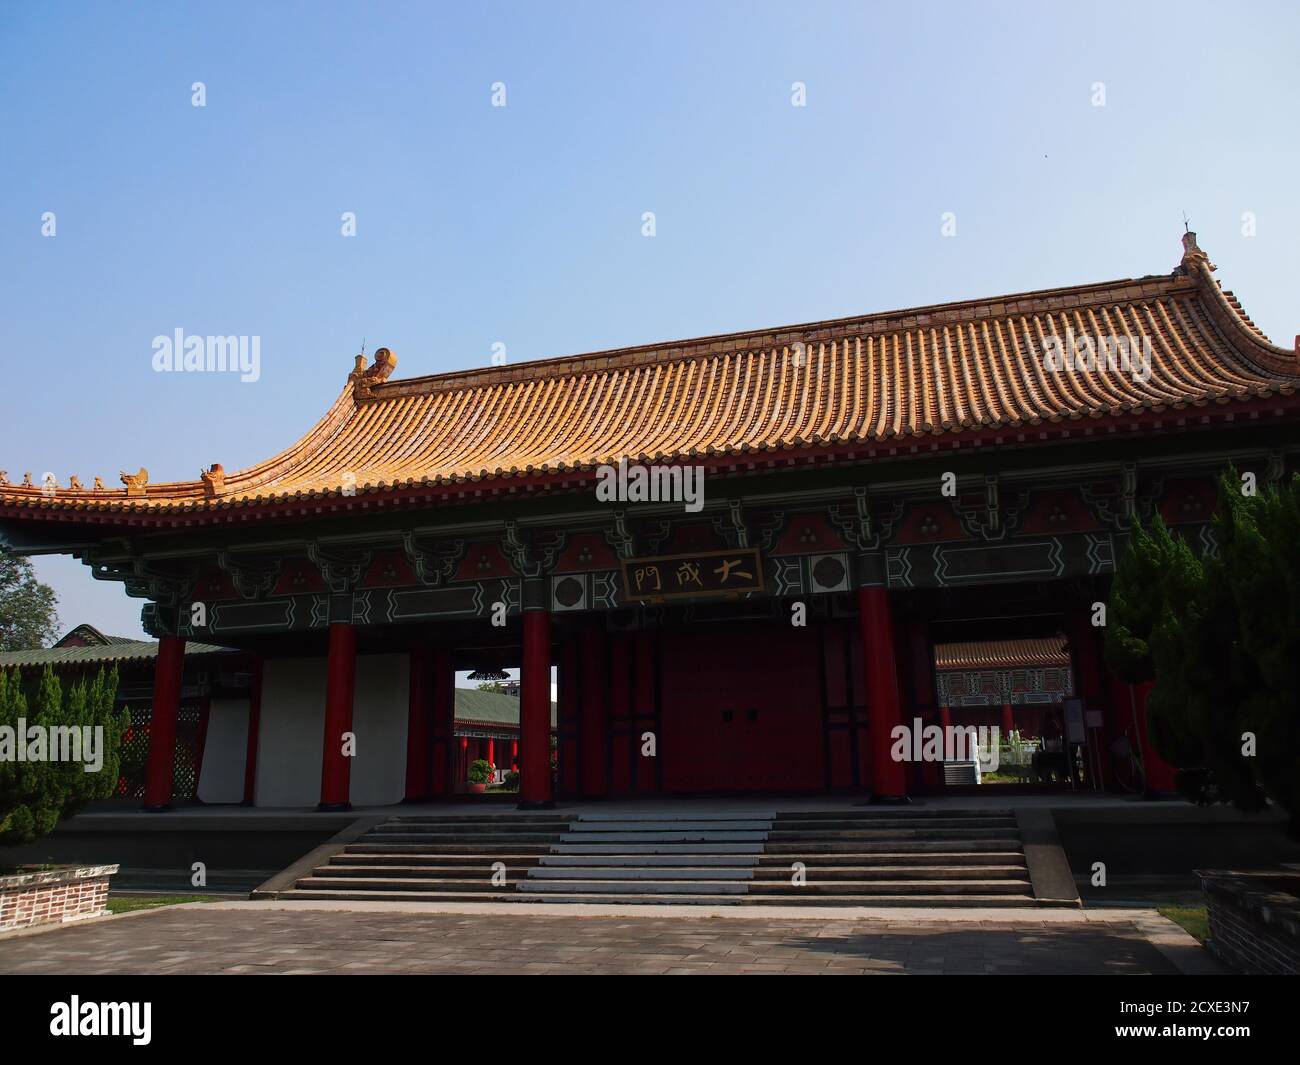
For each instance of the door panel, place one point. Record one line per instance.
(741, 710)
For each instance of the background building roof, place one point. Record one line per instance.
(115, 649)
(489, 708)
(1002, 654)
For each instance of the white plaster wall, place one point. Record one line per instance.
(379, 717)
(221, 777)
(291, 736)
(291, 739)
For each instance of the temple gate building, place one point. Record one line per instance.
(958, 477)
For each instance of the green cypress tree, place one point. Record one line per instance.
(1259, 558)
(1220, 637)
(37, 793)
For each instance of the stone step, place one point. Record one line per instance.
(417, 858)
(891, 813)
(475, 847)
(910, 832)
(424, 872)
(897, 872)
(478, 818)
(399, 896)
(656, 873)
(852, 874)
(636, 886)
(871, 857)
(507, 831)
(679, 824)
(657, 848)
(521, 898)
(928, 856)
(904, 885)
(645, 861)
(431, 839)
(920, 900)
(836, 824)
(665, 836)
(899, 840)
(859, 888)
(349, 885)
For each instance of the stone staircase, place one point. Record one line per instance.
(867, 857)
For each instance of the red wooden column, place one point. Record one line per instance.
(535, 697)
(254, 727)
(1008, 719)
(568, 723)
(442, 726)
(201, 742)
(336, 770)
(594, 711)
(1161, 777)
(168, 672)
(419, 724)
(884, 710)
(491, 755)
(919, 669)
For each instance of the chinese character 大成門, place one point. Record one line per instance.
(687, 573)
(644, 575)
(724, 571)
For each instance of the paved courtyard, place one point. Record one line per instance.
(249, 939)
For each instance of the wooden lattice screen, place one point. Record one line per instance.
(135, 752)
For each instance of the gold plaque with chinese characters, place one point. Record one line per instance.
(701, 573)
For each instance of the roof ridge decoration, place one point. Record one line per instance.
(214, 480)
(1227, 312)
(363, 380)
(135, 482)
(892, 382)
(1193, 256)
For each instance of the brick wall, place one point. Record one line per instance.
(1254, 927)
(54, 896)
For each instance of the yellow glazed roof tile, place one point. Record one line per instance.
(883, 380)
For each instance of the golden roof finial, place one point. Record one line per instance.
(214, 481)
(364, 379)
(135, 482)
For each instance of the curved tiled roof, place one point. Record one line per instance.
(1002, 654)
(489, 709)
(891, 379)
(116, 652)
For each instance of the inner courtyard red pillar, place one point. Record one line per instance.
(535, 711)
(442, 754)
(168, 674)
(1008, 719)
(1160, 776)
(254, 727)
(918, 673)
(884, 710)
(336, 768)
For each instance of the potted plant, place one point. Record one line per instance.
(480, 772)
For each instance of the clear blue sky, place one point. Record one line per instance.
(522, 225)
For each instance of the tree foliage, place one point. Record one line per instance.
(28, 618)
(1219, 634)
(36, 795)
